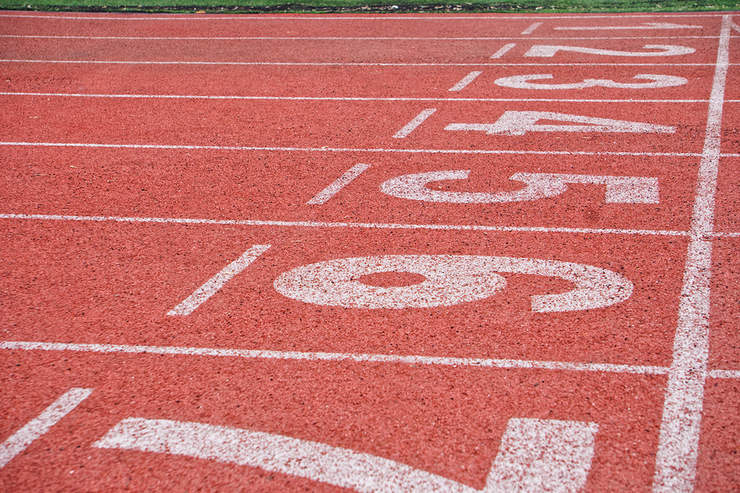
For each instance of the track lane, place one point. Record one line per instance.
(328, 81)
(347, 25)
(333, 124)
(690, 50)
(149, 269)
(278, 186)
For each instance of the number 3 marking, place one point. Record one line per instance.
(658, 81)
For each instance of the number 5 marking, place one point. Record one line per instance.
(619, 189)
(658, 81)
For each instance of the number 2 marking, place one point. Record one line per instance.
(665, 50)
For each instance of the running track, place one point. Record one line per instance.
(383, 253)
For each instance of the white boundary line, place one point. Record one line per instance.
(335, 38)
(211, 287)
(465, 81)
(356, 357)
(352, 64)
(333, 188)
(414, 123)
(323, 356)
(503, 50)
(322, 224)
(330, 17)
(354, 149)
(21, 439)
(727, 235)
(678, 445)
(531, 28)
(724, 374)
(457, 87)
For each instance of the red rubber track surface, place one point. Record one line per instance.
(135, 166)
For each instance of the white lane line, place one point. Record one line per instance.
(411, 126)
(726, 235)
(354, 149)
(678, 444)
(534, 455)
(335, 38)
(329, 17)
(724, 374)
(323, 356)
(347, 177)
(352, 64)
(531, 28)
(503, 50)
(463, 83)
(211, 287)
(21, 439)
(460, 85)
(322, 224)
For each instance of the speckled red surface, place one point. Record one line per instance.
(111, 282)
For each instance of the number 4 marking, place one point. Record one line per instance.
(535, 455)
(521, 122)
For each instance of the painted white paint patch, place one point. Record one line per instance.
(503, 50)
(678, 442)
(664, 50)
(415, 122)
(657, 82)
(643, 26)
(449, 280)
(619, 189)
(347, 177)
(535, 454)
(531, 28)
(21, 439)
(215, 283)
(465, 81)
(539, 455)
(521, 122)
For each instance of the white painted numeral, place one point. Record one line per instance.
(644, 25)
(535, 455)
(619, 189)
(449, 280)
(523, 82)
(664, 50)
(521, 122)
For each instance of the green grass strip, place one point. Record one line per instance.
(397, 6)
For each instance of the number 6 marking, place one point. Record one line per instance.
(450, 280)
(658, 81)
